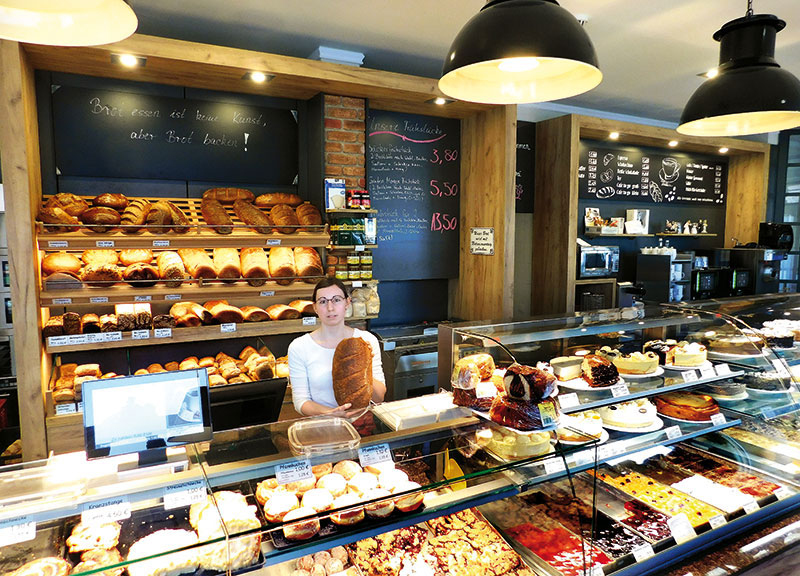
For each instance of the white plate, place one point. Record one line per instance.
(603, 438)
(581, 384)
(659, 371)
(757, 393)
(714, 355)
(657, 425)
(685, 421)
(722, 399)
(485, 416)
(678, 368)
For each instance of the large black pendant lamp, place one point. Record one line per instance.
(751, 94)
(520, 51)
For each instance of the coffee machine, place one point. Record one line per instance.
(763, 264)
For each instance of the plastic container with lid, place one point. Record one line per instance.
(318, 436)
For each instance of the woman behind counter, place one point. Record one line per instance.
(311, 355)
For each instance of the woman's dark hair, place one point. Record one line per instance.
(327, 282)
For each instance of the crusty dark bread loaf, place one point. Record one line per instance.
(252, 216)
(215, 215)
(56, 215)
(308, 215)
(135, 215)
(284, 215)
(100, 218)
(228, 195)
(352, 372)
(72, 204)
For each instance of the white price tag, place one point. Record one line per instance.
(689, 375)
(273, 241)
(266, 293)
(485, 389)
(673, 432)
(16, 530)
(160, 243)
(110, 510)
(310, 321)
(53, 341)
(172, 297)
(62, 300)
(554, 465)
(619, 390)
(708, 372)
(357, 283)
(227, 327)
(372, 455)
(293, 471)
(751, 506)
(569, 400)
(782, 492)
(142, 298)
(718, 419)
(162, 332)
(96, 338)
(80, 407)
(66, 408)
(607, 451)
(680, 528)
(717, 521)
(643, 552)
(584, 457)
(104, 243)
(184, 494)
(78, 339)
(98, 299)
(360, 248)
(722, 369)
(430, 331)
(114, 336)
(57, 244)
(140, 334)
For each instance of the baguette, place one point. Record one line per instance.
(228, 195)
(253, 217)
(135, 215)
(281, 265)
(272, 198)
(254, 314)
(171, 268)
(308, 215)
(284, 215)
(308, 264)
(254, 266)
(215, 216)
(227, 264)
(198, 263)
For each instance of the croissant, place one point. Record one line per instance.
(352, 372)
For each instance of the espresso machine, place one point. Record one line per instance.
(763, 264)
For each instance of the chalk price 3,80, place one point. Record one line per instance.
(447, 156)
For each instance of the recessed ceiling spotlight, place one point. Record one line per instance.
(439, 101)
(723, 150)
(673, 143)
(614, 136)
(258, 77)
(712, 73)
(129, 60)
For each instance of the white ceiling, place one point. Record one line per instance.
(650, 51)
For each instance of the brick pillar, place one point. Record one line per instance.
(344, 140)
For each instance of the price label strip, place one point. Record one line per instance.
(373, 455)
(689, 376)
(751, 506)
(98, 299)
(708, 372)
(184, 494)
(673, 432)
(110, 510)
(310, 321)
(267, 293)
(717, 521)
(569, 400)
(722, 369)
(162, 332)
(680, 528)
(554, 465)
(782, 493)
(643, 552)
(227, 328)
(293, 471)
(718, 419)
(140, 334)
(548, 414)
(16, 530)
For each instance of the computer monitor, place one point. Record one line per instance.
(146, 414)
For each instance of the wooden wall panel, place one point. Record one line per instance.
(19, 151)
(555, 222)
(746, 207)
(485, 290)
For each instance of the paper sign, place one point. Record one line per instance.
(782, 492)
(57, 244)
(717, 521)
(430, 331)
(751, 506)
(689, 375)
(114, 336)
(680, 528)
(110, 510)
(267, 293)
(227, 327)
(293, 471)
(96, 338)
(160, 243)
(140, 334)
(718, 419)
(707, 372)
(163, 333)
(273, 241)
(357, 284)
(597, 571)
(66, 408)
(62, 300)
(372, 455)
(184, 494)
(104, 243)
(554, 465)
(98, 299)
(584, 457)
(643, 552)
(78, 339)
(673, 432)
(569, 400)
(481, 241)
(54, 341)
(310, 321)
(142, 298)
(722, 369)
(360, 248)
(16, 530)
(619, 390)
(172, 297)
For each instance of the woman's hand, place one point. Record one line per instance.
(340, 411)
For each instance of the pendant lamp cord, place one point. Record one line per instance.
(749, 8)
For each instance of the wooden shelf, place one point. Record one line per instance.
(667, 234)
(196, 292)
(200, 334)
(339, 248)
(587, 281)
(597, 235)
(347, 211)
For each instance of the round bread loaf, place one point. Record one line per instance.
(135, 256)
(72, 204)
(111, 200)
(100, 257)
(60, 262)
(101, 218)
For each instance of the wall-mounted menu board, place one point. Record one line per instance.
(607, 171)
(413, 176)
(526, 139)
(111, 134)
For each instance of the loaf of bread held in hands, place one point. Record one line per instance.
(352, 372)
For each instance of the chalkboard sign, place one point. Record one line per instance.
(104, 133)
(526, 139)
(413, 176)
(648, 175)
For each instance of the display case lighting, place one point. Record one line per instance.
(672, 143)
(129, 60)
(614, 135)
(258, 77)
(723, 150)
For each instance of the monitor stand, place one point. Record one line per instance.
(156, 461)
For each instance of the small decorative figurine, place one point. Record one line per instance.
(687, 228)
(705, 227)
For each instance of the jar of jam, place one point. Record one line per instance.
(366, 258)
(353, 274)
(341, 272)
(353, 259)
(366, 272)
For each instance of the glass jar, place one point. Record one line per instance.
(353, 259)
(366, 258)
(366, 272)
(341, 272)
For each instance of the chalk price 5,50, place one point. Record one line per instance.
(449, 189)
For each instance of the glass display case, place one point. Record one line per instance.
(609, 460)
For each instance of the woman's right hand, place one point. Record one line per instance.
(340, 411)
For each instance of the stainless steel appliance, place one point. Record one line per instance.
(410, 359)
(764, 266)
(598, 261)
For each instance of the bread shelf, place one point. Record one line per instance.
(358, 248)
(197, 334)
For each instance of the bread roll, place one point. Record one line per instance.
(282, 312)
(284, 215)
(155, 368)
(135, 215)
(254, 314)
(254, 266)
(159, 216)
(101, 218)
(253, 217)
(305, 307)
(197, 263)
(190, 363)
(111, 200)
(60, 262)
(100, 275)
(246, 352)
(172, 366)
(100, 257)
(72, 204)
(227, 264)
(352, 372)
(281, 265)
(171, 268)
(272, 198)
(308, 264)
(308, 215)
(223, 312)
(216, 380)
(88, 370)
(206, 362)
(55, 215)
(215, 216)
(228, 195)
(141, 275)
(141, 371)
(135, 256)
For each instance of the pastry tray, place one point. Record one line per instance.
(49, 541)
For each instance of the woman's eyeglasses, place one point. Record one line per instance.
(336, 300)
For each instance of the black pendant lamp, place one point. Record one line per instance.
(520, 51)
(751, 94)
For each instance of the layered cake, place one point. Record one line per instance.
(566, 367)
(511, 445)
(687, 406)
(633, 363)
(639, 413)
(157, 544)
(770, 381)
(598, 371)
(660, 348)
(778, 337)
(580, 427)
(745, 344)
(526, 402)
(687, 354)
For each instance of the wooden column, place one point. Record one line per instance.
(485, 289)
(748, 176)
(19, 151)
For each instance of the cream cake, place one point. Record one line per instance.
(636, 362)
(509, 444)
(580, 427)
(566, 367)
(687, 354)
(639, 413)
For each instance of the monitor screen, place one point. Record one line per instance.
(146, 412)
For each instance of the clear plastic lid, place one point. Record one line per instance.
(316, 436)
